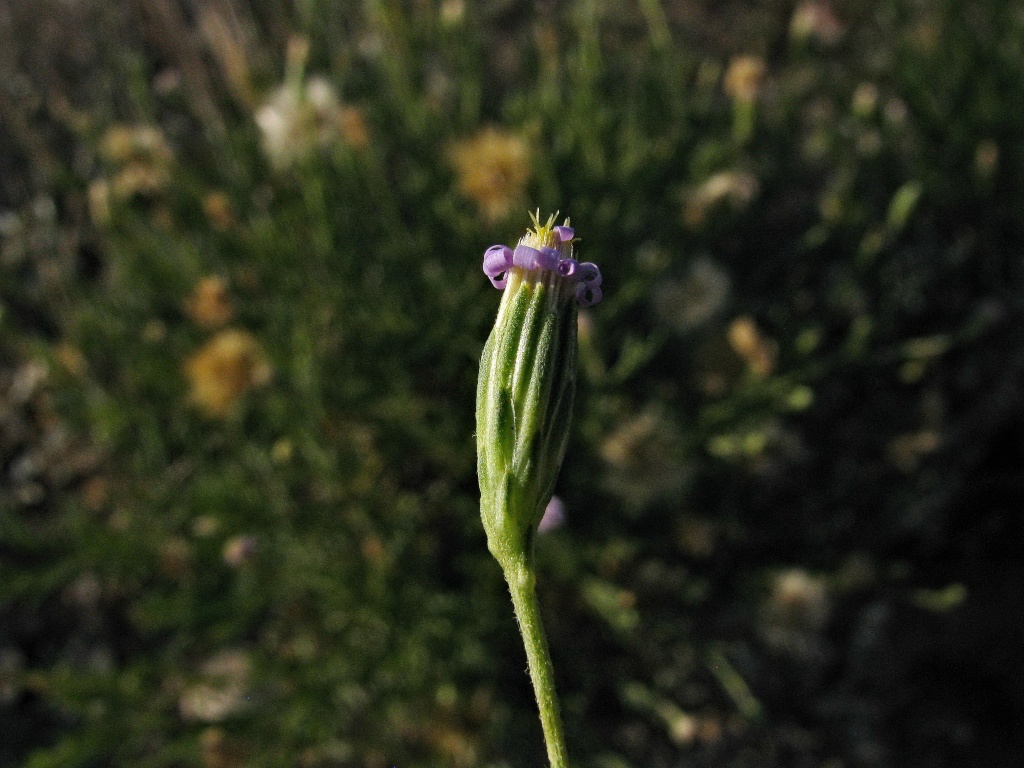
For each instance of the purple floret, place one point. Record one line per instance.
(526, 257)
(497, 263)
(565, 234)
(548, 259)
(589, 273)
(588, 294)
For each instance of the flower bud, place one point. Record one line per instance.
(527, 382)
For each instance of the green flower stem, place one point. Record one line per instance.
(522, 585)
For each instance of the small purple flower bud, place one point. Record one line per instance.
(526, 257)
(554, 516)
(526, 388)
(568, 267)
(588, 294)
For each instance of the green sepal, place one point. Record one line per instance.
(524, 408)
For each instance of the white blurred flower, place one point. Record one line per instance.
(689, 303)
(12, 664)
(452, 12)
(816, 20)
(737, 188)
(864, 102)
(643, 459)
(299, 119)
(239, 550)
(795, 612)
(222, 690)
(986, 159)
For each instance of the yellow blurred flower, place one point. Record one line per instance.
(209, 305)
(354, 128)
(743, 78)
(492, 170)
(95, 492)
(986, 159)
(219, 751)
(71, 358)
(864, 102)
(906, 451)
(746, 341)
(176, 558)
(124, 143)
(217, 207)
(453, 744)
(99, 202)
(205, 526)
(140, 158)
(224, 369)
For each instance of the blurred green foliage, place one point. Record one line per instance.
(241, 309)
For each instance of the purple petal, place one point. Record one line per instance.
(548, 258)
(588, 294)
(589, 273)
(497, 259)
(568, 267)
(526, 257)
(499, 282)
(565, 234)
